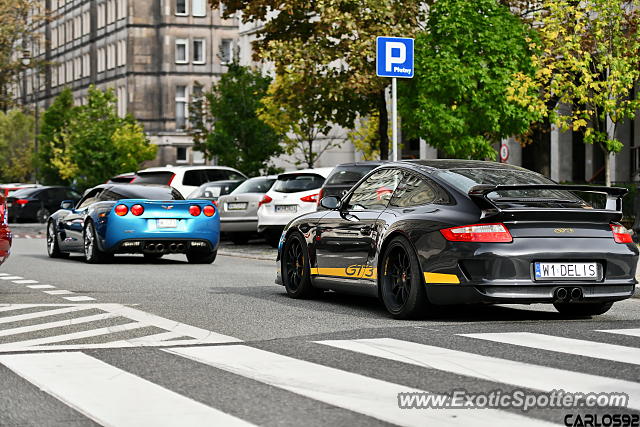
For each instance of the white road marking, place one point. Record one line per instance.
(35, 315)
(188, 335)
(79, 299)
(59, 324)
(628, 332)
(24, 281)
(11, 278)
(111, 396)
(489, 368)
(41, 287)
(58, 292)
(10, 307)
(4, 274)
(368, 396)
(597, 350)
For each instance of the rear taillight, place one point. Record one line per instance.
(137, 210)
(3, 209)
(265, 200)
(22, 202)
(320, 195)
(194, 210)
(121, 210)
(171, 179)
(313, 198)
(478, 233)
(209, 210)
(621, 234)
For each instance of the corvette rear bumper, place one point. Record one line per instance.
(163, 246)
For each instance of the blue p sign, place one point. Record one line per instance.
(394, 57)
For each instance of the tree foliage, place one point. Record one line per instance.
(54, 120)
(97, 143)
(465, 62)
(16, 146)
(588, 56)
(225, 123)
(333, 42)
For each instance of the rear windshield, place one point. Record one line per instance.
(161, 178)
(464, 179)
(348, 175)
(213, 190)
(298, 182)
(25, 192)
(255, 185)
(141, 192)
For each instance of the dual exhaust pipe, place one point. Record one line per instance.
(568, 294)
(161, 248)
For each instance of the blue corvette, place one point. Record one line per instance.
(153, 220)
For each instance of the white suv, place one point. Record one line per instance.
(293, 194)
(186, 179)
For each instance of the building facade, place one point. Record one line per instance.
(155, 54)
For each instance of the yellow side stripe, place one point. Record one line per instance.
(440, 278)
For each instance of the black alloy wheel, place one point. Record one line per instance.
(42, 215)
(401, 281)
(296, 276)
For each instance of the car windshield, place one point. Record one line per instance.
(294, 183)
(161, 178)
(464, 179)
(255, 185)
(348, 175)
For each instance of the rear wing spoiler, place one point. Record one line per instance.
(612, 211)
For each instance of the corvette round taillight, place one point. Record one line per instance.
(194, 210)
(121, 210)
(137, 210)
(209, 210)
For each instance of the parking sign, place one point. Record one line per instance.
(394, 57)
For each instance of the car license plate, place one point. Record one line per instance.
(286, 208)
(167, 223)
(567, 270)
(240, 206)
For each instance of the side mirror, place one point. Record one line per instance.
(67, 204)
(330, 202)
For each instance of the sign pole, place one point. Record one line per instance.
(394, 117)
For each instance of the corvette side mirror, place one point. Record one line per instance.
(330, 202)
(67, 205)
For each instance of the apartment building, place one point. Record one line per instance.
(155, 54)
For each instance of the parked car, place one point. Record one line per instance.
(9, 189)
(37, 204)
(293, 194)
(213, 190)
(239, 210)
(123, 178)
(5, 232)
(153, 220)
(186, 179)
(344, 177)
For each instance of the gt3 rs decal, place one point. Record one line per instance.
(356, 271)
(440, 278)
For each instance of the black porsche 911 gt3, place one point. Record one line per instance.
(417, 233)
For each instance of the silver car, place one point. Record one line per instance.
(239, 209)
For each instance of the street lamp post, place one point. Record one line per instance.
(35, 89)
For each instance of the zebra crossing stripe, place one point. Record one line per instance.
(354, 392)
(52, 325)
(628, 332)
(28, 316)
(489, 368)
(597, 350)
(111, 396)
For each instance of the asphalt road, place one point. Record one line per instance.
(168, 343)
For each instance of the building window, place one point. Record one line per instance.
(101, 15)
(198, 51)
(100, 60)
(221, 9)
(225, 51)
(54, 38)
(122, 9)
(181, 154)
(85, 65)
(111, 56)
(86, 23)
(122, 53)
(77, 68)
(122, 101)
(199, 7)
(181, 107)
(61, 74)
(182, 51)
(181, 7)
(69, 77)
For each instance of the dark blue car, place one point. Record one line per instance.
(153, 220)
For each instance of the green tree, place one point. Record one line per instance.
(54, 120)
(225, 123)
(97, 143)
(333, 41)
(465, 61)
(16, 146)
(588, 57)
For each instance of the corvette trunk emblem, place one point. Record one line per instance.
(167, 207)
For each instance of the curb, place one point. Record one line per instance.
(244, 255)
